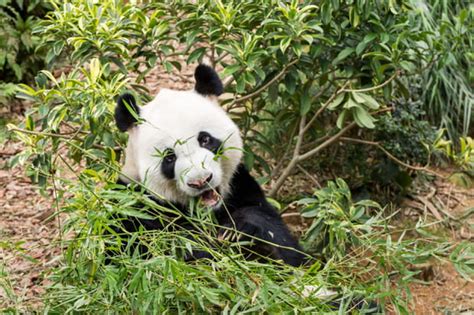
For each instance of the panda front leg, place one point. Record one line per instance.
(266, 230)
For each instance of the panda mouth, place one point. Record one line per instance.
(210, 198)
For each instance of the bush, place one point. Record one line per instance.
(285, 65)
(406, 133)
(337, 222)
(299, 76)
(20, 58)
(447, 93)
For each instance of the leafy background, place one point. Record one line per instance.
(364, 98)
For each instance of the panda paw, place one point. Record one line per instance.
(242, 231)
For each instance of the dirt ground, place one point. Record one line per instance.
(29, 236)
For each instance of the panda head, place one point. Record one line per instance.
(182, 144)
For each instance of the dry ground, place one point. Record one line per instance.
(29, 237)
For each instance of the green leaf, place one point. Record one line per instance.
(305, 102)
(354, 16)
(408, 66)
(363, 44)
(341, 119)
(363, 118)
(366, 99)
(343, 54)
(284, 44)
(336, 102)
(94, 69)
(50, 76)
(29, 123)
(351, 104)
(196, 54)
(136, 213)
(229, 70)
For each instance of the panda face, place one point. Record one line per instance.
(185, 147)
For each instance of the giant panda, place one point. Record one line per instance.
(182, 146)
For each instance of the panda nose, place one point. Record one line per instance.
(199, 183)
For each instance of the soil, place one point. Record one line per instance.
(30, 233)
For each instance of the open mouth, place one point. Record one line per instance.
(210, 198)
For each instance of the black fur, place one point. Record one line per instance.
(207, 81)
(168, 163)
(252, 215)
(212, 144)
(124, 119)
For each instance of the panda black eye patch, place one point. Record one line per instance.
(209, 142)
(167, 164)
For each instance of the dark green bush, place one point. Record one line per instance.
(283, 63)
(299, 76)
(406, 133)
(20, 59)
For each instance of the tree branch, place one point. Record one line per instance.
(66, 136)
(327, 142)
(397, 72)
(297, 157)
(392, 157)
(265, 86)
(320, 110)
(293, 161)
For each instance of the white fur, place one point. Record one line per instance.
(173, 120)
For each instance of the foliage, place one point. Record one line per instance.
(299, 76)
(461, 156)
(84, 282)
(127, 36)
(463, 259)
(6, 285)
(283, 62)
(7, 92)
(87, 102)
(464, 157)
(19, 57)
(447, 96)
(337, 221)
(405, 133)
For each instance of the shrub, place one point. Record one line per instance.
(20, 59)
(337, 222)
(299, 77)
(461, 156)
(447, 95)
(285, 63)
(406, 134)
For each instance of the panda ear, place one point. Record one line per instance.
(207, 81)
(126, 112)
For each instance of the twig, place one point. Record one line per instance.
(265, 86)
(297, 157)
(322, 108)
(46, 134)
(276, 169)
(313, 179)
(397, 72)
(66, 136)
(392, 157)
(293, 161)
(222, 56)
(231, 78)
(430, 207)
(315, 142)
(56, 202)
(327, 142)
